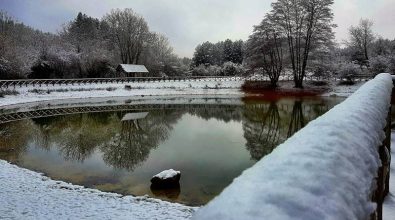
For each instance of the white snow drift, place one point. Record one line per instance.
(26, 195)
(325, 171)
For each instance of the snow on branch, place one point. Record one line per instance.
(325, 171)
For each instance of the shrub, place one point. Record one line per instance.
(9, 69)
(111, 89)
(391, 65)
(100, 68)
(200, 71)
(232, 69)
(379, 64)
(8, 92)
(348, 71)
(214, 70)
(323, 70)
(56, 65)
(228, 69)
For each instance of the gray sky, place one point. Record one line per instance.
(190, 22)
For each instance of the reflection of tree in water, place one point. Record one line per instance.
(225, 113)
(261, 129)
(81, 136)
(266, 126)
(133, 144)
(14, 138)
(76, 136)
(42, 134)
(297, 121)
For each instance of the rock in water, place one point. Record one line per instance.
(166, 179)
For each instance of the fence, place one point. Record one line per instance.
(88, 81)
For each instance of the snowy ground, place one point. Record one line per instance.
(389, 204)
(26, 194)
(342, 90)
(35, 94)
(61, 92)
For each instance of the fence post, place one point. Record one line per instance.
(382, 188)
(387, 143)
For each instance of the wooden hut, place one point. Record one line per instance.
(131, 70)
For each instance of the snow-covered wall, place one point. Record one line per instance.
(325, 171)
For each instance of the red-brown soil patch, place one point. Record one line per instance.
(263, 90)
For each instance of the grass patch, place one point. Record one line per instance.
(49, 91)
(319, 83)
(346, 83)
(111, 89)
(40, 91)
(8, 92)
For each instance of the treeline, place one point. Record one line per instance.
(286, 38)
(365, 52)
(86, 47)
(296, 38)
(223, 58)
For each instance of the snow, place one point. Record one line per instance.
(166, 174)
(168, 88)
(389, 203)
(26, 194)
(276, 185)
(130, 68)
(58, 92)
(325, 171)
(342, 90)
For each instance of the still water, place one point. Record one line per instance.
(120, 150)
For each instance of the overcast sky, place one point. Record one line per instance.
(189, 22)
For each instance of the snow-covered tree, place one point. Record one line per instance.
(20, 46)
(130, 33)
(362, 37)
(265, 50)
(306, 24)
(218, 53)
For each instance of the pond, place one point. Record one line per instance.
(119, 148)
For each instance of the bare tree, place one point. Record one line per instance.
(306, 24)
(130, 32)
(362, 37)
(265, 50)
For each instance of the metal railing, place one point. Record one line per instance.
(5, 84)
(88, 81)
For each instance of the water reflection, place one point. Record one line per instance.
(120, 151)
(13, 140)
(261, 129)
(135, 138)
(297, 121)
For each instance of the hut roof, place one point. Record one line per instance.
(131, 68)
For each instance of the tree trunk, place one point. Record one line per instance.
(299, 83)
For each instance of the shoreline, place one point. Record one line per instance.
(181, 89)
(28, 194)
(33, 184)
